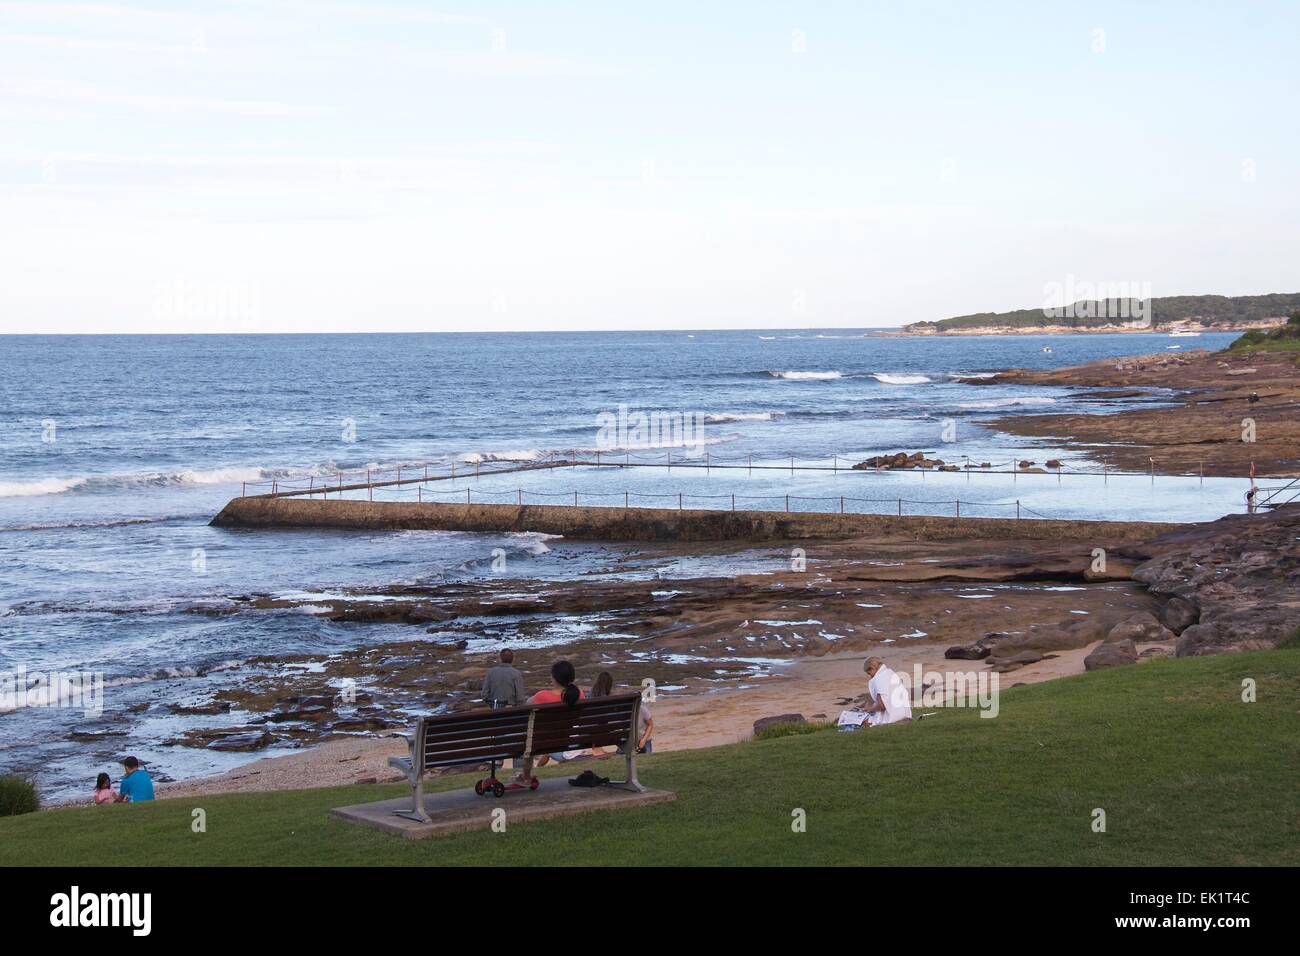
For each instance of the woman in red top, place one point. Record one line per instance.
(564, 689)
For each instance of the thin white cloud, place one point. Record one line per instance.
(152, 102)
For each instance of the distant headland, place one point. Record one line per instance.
(1192, 313)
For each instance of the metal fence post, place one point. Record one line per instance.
(679, 501)
(466, 496)
(1017, 509)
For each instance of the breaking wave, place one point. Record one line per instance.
(886, 378)
(807, 376)
(742, 416)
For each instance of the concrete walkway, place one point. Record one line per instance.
(456, 811)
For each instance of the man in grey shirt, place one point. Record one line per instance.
(504, 686)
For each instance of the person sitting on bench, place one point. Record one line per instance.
(564, 689)
(504, 685)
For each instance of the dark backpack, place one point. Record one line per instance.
(588, 779)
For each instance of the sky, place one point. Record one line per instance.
(346, 165)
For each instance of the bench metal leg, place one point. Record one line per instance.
(631, 783)
(416, 812)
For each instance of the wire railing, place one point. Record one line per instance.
(412, 473)
(681, 501)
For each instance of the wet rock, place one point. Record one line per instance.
(818, 646)
(764, 722)
(94, 736)
(977, 650)
(1178, 614)
(1111, 654)
(900, 460)
(212, 707)
(361, 724)
(242, 742)
(1141, 628)
(428, 614)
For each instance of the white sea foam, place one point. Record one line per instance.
(480, 457)
(41, 486)
(802, 376)
(1006, 402)
(964, 375)
(190, 476)
(887, 378)
(742, 416)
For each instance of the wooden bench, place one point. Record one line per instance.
(518, 733)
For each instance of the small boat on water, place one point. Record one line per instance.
(1047, 348)
(1183, 333)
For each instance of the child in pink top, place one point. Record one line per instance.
(103, 789)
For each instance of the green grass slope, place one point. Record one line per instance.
(1187, 773)
(1285, 338)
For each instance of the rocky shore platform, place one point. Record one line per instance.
(1008, 605)
(1210, 397)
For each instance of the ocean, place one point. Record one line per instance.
(116, 451)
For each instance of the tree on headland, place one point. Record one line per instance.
(1284, 338)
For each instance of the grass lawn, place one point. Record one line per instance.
(1186, 772)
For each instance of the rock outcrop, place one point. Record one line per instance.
(1237, 578)
(763, 723)
(903, 460)
(1111, 654)
(1140, 628)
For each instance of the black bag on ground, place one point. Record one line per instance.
(588, 779)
